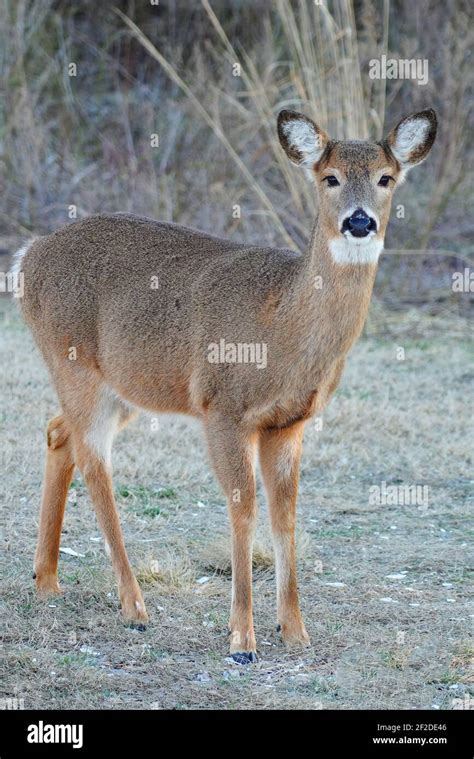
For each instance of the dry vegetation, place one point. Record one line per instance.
(385, 589)
(85, 139)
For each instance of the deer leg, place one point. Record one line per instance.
(232, 454)
(97, 476)
(92, 450)
(59, 469)
(280, 452)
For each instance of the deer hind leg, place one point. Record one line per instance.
(58, 473)
(232, 456)
(92, 414)
(280, 452)
(92, 442)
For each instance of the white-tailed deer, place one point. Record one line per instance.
(169, 319)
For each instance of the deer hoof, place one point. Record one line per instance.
(245, 657)
(136, 626)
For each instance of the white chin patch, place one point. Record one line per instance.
(347, 250)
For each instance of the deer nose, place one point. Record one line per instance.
(359, 224)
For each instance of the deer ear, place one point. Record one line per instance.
(411, 140)
(301, 139)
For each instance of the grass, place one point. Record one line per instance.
(145, 501)
(385, 589)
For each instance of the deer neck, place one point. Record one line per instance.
(330, 299)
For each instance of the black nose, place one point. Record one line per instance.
(359, 224)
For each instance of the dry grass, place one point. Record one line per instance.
(172, 573)
(385, 589)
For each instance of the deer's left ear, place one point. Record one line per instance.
(411, 140)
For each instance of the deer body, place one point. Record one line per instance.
(141, 303)
(166, 332)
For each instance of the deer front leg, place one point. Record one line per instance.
(232, 454)
(280, 452)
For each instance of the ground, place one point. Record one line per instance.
(384, 586)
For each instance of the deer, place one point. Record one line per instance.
(140, 346)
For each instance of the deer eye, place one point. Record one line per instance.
(332, 181)
(384, 181)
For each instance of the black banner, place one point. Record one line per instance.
(370, 733)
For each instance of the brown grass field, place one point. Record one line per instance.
(385, 588)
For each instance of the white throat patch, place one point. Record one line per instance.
(347, 251)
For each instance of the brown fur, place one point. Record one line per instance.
(88, 286)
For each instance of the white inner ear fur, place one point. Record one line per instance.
(304, 138)
(410, 135)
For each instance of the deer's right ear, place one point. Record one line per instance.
(301, 139)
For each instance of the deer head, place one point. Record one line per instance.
(355, 180)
